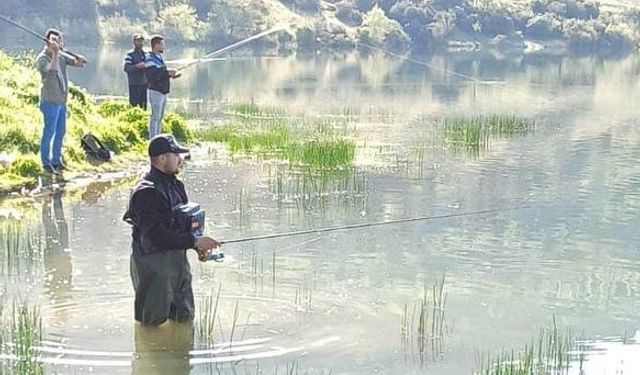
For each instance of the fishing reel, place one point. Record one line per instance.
(216, 256)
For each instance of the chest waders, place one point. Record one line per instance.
(162, 279)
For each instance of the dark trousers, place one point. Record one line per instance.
(138, 95)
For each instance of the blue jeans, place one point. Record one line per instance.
(55, 123)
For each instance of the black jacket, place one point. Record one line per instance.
(151, 216)
(157, 74)
(136, 76)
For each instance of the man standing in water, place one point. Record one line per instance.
(159, 86)
(161, 235)
(52, 65)
(134, 67)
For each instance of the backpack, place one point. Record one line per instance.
(92, 146)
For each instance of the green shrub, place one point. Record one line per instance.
(15, 138)
(177, 125)
(110, 108)
(26, 166)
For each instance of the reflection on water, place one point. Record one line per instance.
(163, 350)
(58, 268)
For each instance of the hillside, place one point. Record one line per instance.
(609, 27)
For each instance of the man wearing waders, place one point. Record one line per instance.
(161, 235)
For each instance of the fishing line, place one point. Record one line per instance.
(373, 224)
(230, 47)
(62, 50)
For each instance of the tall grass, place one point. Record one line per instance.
(21, 249)
(207, 317)
(322, 152)
(252, 110)
(26, 333)
(475, 133)
(423, 325)
(20, 333)
(550, 353)
(239, 139)
(206, 322)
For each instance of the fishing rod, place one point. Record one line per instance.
(373, 224)
(62, 50)
(230, 47)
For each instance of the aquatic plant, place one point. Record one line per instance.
(206, 319)
(423, 325)
(549, 354)
(475, 133)
(20, 334)
(278, 140)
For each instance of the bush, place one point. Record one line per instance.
(110, 108)
(26, 166)
(306, 38)
(180, 22)
(443, 23)
(616, 40)
(546, 26)
(497, 24)
(582, 35)
(14, 137)
(177, 125)
(376, 26)
(407, 12)
(117, 28)
(112, 138)
(347, 13)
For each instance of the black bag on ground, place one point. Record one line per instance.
(92, 145)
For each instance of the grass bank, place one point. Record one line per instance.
(121, 128)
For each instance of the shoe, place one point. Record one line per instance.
(51, 169)
(60, 167)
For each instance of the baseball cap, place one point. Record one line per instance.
(163, 143)
(138, 36)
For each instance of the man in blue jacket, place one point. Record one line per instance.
(158, 77)
(134, 67)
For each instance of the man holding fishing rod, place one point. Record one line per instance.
(164, 225)
(52, 64)
(158, 77)
(134, 62)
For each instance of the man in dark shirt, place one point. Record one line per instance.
(134, 67)
(160, 272)
(159, 86)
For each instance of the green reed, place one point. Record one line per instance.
(321, 151)
(475, 133)
(207, 314)
(550, 353)
(248, 110)
(20, 248)
(20, 333)
(423, 325)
